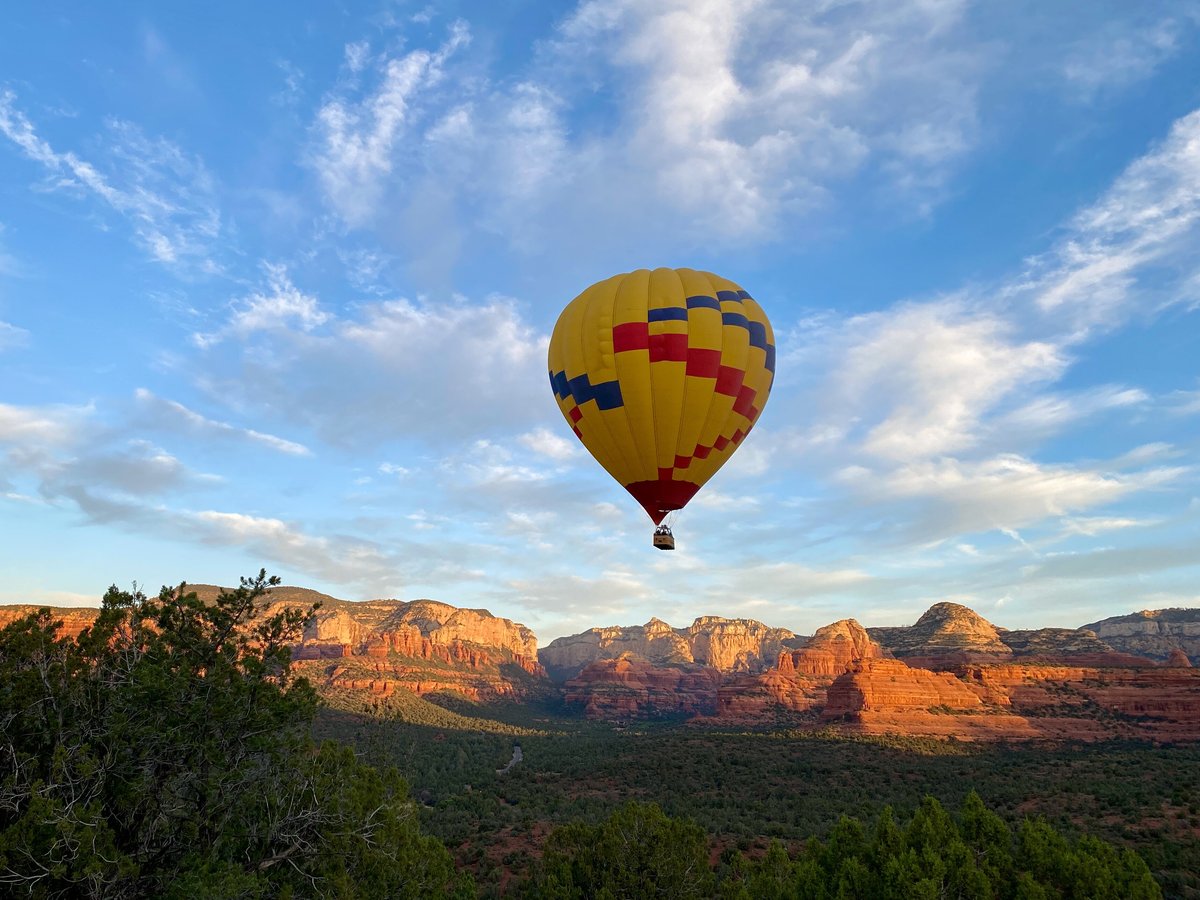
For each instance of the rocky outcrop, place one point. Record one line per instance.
(727, 645)
(73, 618)
(945, 631)
(1152, 633)
(831, 651)
(735, 645)
(878, 685)
(1177, 659)
(628, 687)
(1017, 702)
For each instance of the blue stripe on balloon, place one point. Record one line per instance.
(703, 302)
(667, 314)
(735, 319)
(758, 335)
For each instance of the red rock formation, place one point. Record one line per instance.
(1178, 659)
(831, 651)
(890, 684)
(728, 645)
(73, 618)
(627, 687)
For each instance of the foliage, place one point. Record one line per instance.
(636, 852)
(167, 753)
(640, 852)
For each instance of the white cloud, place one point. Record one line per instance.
(163, 412)
(1185, 403)
(949, 498)
(398, 369)
(1053, 412)
(1131, 250)
(44, 426)
(280, 306)
(940, 369)
(357, 140)
(1120, 55)
(166, 196)
(1090, 526)
(545, 442)
(11, 336)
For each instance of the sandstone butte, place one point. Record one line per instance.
(951, 674)
(727, 645)
(376, 646)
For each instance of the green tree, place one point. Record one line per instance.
(638, 851)
(166, 753)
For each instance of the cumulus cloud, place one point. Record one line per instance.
(545, 442)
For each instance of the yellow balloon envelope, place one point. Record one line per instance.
(662, 374)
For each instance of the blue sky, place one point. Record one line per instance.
(276, 284)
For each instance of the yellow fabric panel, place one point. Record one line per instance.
(601, 367)
(666, 378)
(633, 369)
(574, 363)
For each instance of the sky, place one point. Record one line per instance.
(277, 283)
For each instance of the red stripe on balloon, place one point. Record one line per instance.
(703, 363)
(729, 380)
(631, 336)
(668, 348)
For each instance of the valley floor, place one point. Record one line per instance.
(749, 787)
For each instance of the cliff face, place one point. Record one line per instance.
(628, 687)
(727, 645)
(422, 646)
(379, 645)
(74, 618)
(831, 651)
(1152, 633)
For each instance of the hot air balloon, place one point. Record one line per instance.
(662, 374)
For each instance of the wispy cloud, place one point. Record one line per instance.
(1121, 54)
(394, 369)
(11, 336)
(280, 306)
(166, 196)
(1131, 251)
(356, 139)
(168, 413)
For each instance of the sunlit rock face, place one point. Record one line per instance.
(74, 619)
(945, 630)
(377, 646)
(727, 645)
(1153, 633)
